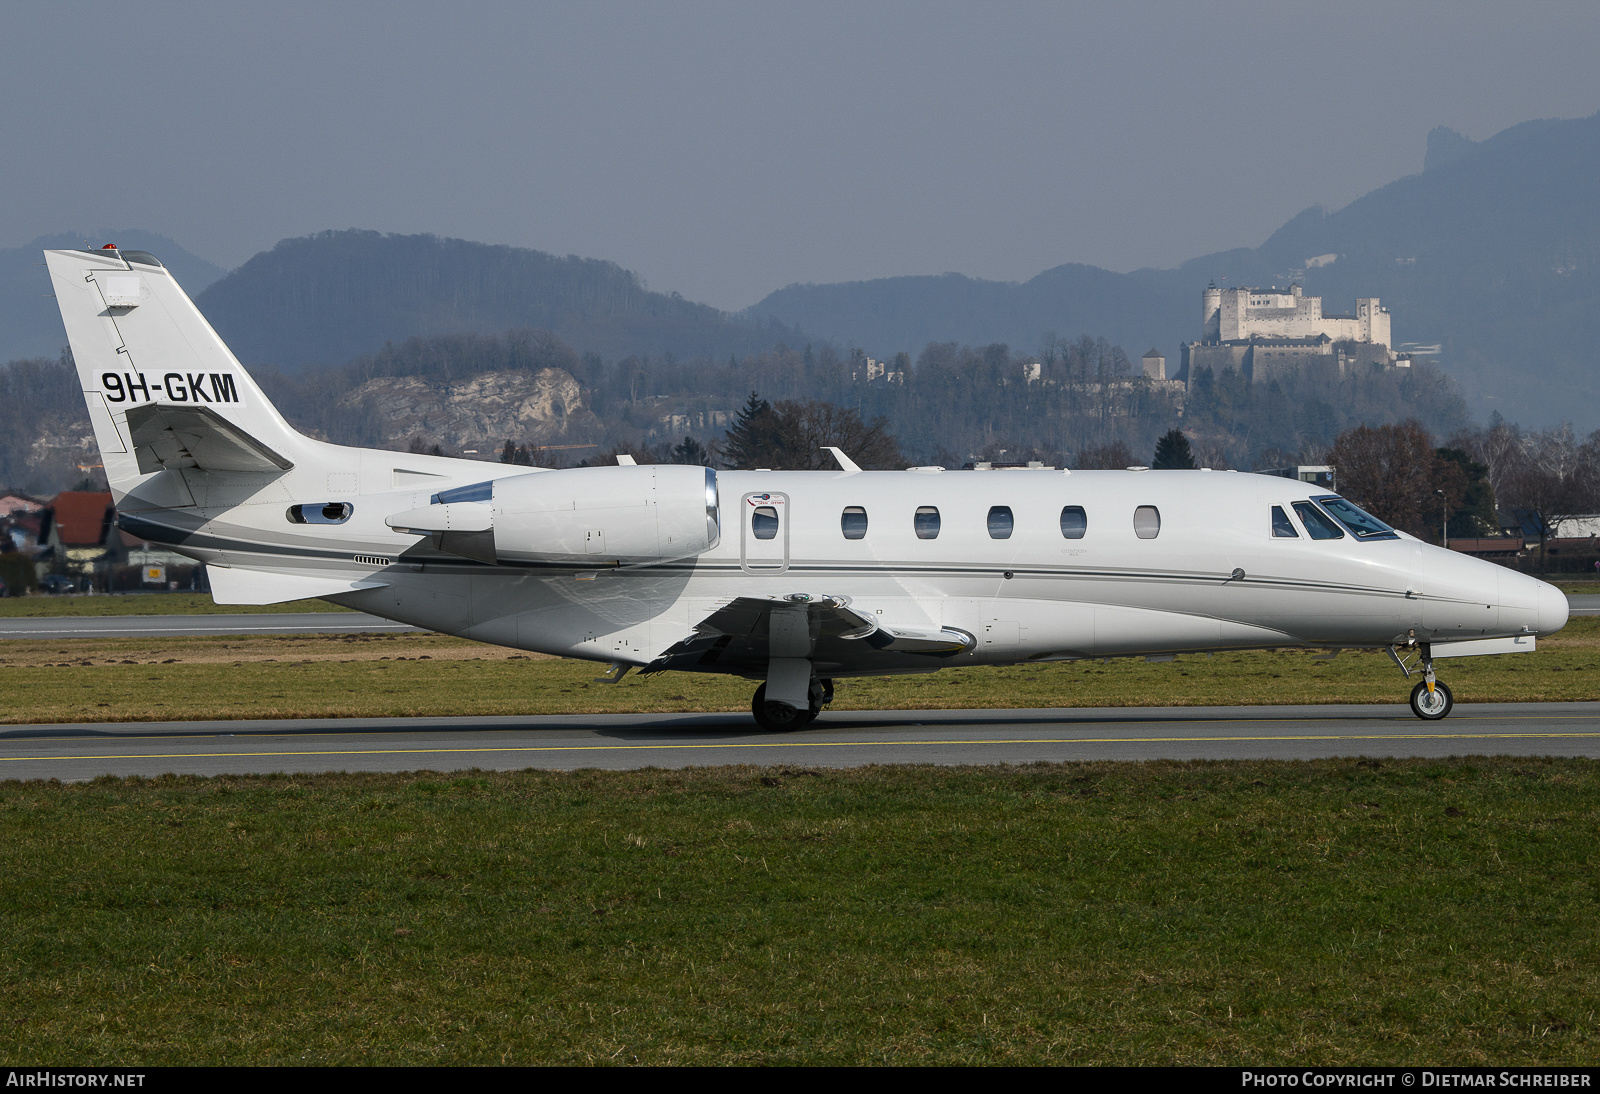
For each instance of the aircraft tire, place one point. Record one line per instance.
(778, 717)
(1431, 708)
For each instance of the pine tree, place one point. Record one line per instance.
(1173, 453)
(750, 442)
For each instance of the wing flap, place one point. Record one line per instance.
(744, 634)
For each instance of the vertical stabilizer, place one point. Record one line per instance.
(141, 346)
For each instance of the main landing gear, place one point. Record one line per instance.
(1431, 699)
(775, 717)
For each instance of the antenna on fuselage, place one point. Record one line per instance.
(844, 461)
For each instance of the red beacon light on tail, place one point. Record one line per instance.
(109, 247)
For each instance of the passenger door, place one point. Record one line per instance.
(764, 533)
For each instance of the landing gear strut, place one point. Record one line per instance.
(1431, 700)
(776, 717)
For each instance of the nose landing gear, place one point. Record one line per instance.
(1431, 700)
(1431, 705)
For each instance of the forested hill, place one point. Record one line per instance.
(30, 324)
(326, 298)
(1492, 250)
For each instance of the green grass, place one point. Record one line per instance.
(136, 679)
(41, 605)
(1332, 912)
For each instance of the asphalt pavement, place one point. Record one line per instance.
(836, 739)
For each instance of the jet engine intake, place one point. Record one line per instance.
(584, 516)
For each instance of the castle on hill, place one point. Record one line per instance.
(1269, 333)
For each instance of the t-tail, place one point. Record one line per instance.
(164, 392)
(198, 459)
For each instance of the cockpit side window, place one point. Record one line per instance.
(1317, 522)
(1282, 526)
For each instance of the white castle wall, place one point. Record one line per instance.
(1238, 314)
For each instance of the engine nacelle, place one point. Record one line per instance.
(582, 516)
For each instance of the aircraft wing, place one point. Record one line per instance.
(170, 437)
(744, 634)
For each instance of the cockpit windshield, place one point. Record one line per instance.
(1317, 522)
(1362, 524)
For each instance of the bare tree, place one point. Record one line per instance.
(1104, 457)
(1553, 478)
(1389, 471)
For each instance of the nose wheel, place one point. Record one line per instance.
(1430, 699)
(1430, 706)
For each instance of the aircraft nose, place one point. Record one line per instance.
(1552, 609)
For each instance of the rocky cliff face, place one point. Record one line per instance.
(483, 412)
(63, 453)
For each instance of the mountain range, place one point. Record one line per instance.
(30, 325)
(1491, 252)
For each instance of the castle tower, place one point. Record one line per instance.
(1211, 300)
(1155, 365)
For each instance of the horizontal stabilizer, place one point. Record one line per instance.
(238, 586)
(169, 437)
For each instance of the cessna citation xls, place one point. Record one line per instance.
(793, 579)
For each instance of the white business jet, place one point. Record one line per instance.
(793, 579)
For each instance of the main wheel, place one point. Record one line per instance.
(775, 717)
(1431, 707)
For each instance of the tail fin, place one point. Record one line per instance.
(163, 390)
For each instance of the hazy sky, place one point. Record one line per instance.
(726, 150)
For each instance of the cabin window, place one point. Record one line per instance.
(1147, 522)
(1000, 522)
(1074, 522)
(1282, 526)
(764, 522)
(853, 522)
(1357, 519)
(331, 512)
(926, 522)
(1317, 522)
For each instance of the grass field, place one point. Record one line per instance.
(1333, 912)
(139, 679)
(21, 607)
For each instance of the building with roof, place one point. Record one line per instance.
(1268, 333)
(78, 537)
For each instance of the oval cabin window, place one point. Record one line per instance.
(853, 522)
(764, 522)
(1000, 522)
(1074, 522)
(1147, 522)
(331, 512)
(926, 522)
